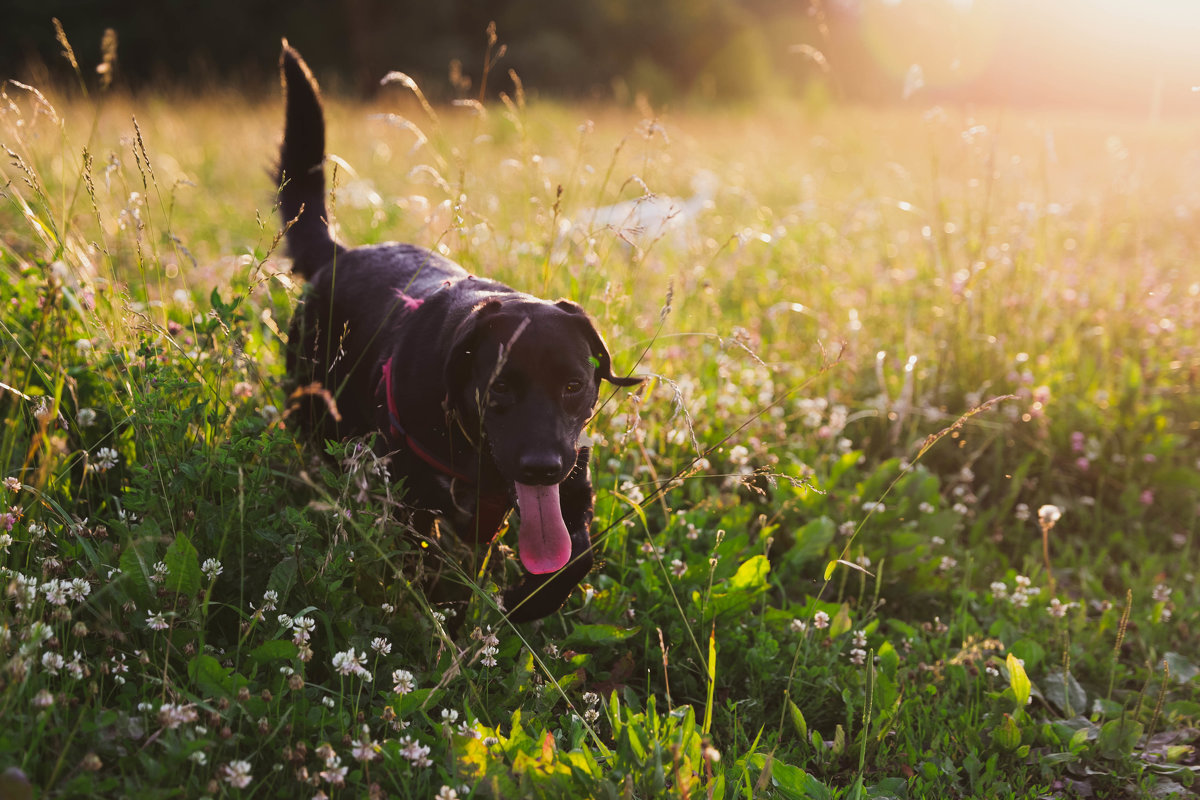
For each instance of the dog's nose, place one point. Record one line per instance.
(540, 468)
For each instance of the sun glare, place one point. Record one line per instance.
(1085, 49)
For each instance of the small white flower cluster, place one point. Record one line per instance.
(403, 681)
(415, 752)
(161, 571)
(631, 491)
(269, 602)
(171, 715)
(58, 592)
(237, 774)
(1021, 593)
(302, 628)
(335, 772)
(211, 568)
(350, 662)
(490, 643)
(858, 653)
(364, 748)
(1058, 608)
(593, 701)
(106, 458)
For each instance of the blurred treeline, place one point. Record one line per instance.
(1023, 52)
(718, 48)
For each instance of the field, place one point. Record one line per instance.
(906, 508)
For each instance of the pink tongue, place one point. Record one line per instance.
(543, 542)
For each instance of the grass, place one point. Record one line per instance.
(889, 342)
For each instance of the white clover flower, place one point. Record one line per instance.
(171, 716)
(404, 681)
(1162, 593)
(237, 774)
(925, 507)
(211, 568)
(302, 628)
(350, 662)
(947, 563)
(52, 662)
(633, 493)
(364, 749)
(1021, 512)
(106, 458)
(55, 592)
(820, 620)
(858, 656)
(799, 626)
(381, 645)
(161, 570)
(157, 622)
(999, 590)
(1057, 608)
(12, 484)
(85, 417)
(678, 568)
(860, 638)
(78, 589)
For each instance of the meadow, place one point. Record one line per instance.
(906, 508)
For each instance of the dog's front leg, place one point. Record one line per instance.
(539, 596)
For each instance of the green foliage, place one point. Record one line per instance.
(821, 549)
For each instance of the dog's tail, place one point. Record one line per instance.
(301, 175)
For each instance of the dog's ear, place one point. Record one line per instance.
(463, 348)
(603, 361)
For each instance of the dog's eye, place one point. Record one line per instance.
(500, 387)
(573, 387)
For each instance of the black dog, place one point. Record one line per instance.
(480, 392)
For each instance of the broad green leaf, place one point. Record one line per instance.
(751, 575)
(792, 782)
(889, 660)
(798, 721)
(1061, 689)
(1182, 670)
(213, 680)
(273, 650)
(183, 567)
(1007, 735)
(1118, 737)
(812, 540)
(1018, 680)
(597, 635)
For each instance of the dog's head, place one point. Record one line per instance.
(525, 374)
